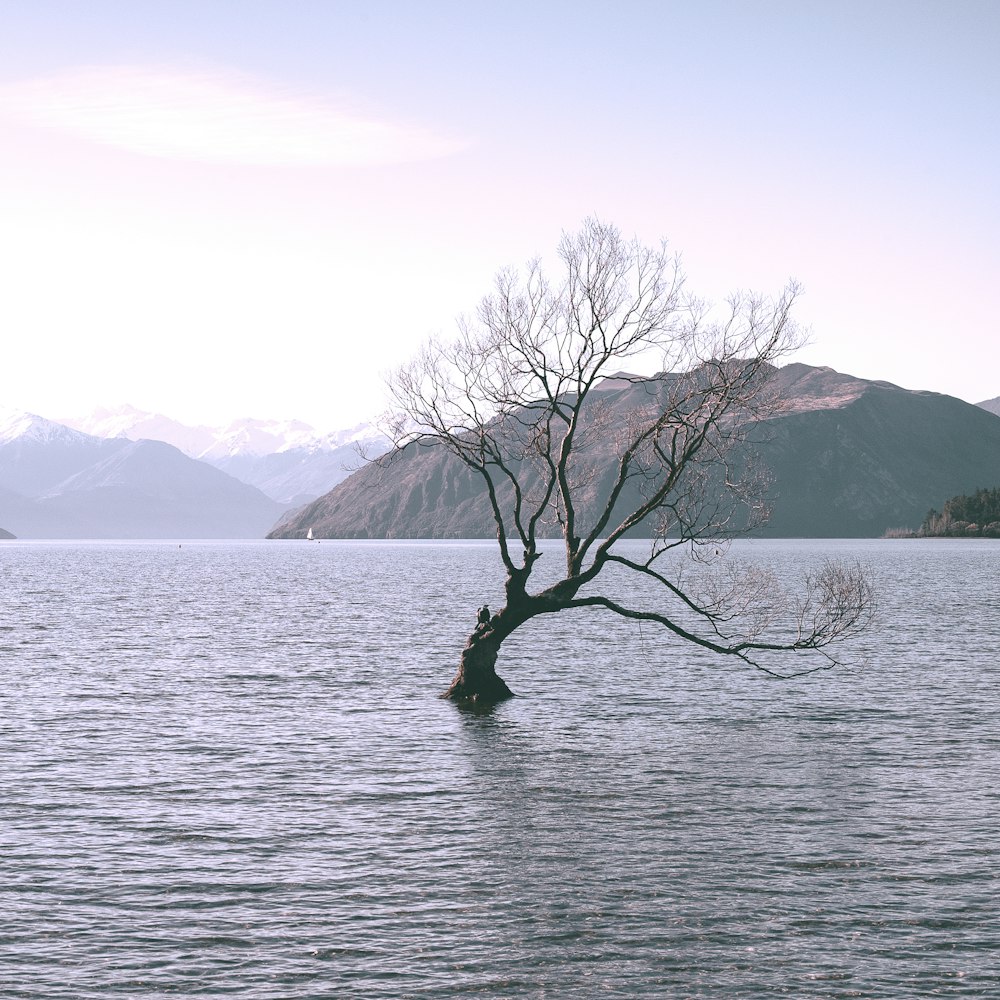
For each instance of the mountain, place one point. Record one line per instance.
(36, 453)
(57, 482)
(850, 458)
(149, 489)
(295, 476)
(993, 405)
(24, 517)
(288, 460)
(4, 535)
(137, 425)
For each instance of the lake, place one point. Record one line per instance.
(225, 771)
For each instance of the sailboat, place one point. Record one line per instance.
(309, 536)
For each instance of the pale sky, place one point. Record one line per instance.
(219, 209)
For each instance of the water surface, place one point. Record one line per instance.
(225, 771)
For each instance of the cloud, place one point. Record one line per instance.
(213, 118)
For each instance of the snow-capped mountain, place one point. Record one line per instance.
(137, 425)
(18, 425)
(36, 453)
(289, 460)
(246, 436)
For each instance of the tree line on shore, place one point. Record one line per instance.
(975, 515)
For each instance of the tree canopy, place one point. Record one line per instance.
(516, 397)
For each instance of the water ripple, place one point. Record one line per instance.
(225, 773)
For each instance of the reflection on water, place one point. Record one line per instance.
(226, 771)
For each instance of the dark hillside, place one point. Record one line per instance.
(850, 457)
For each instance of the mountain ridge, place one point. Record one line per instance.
(851, 458)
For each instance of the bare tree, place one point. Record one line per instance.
(518, 398)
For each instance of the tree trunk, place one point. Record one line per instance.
(476, 682)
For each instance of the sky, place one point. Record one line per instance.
(217, 210)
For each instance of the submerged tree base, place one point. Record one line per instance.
(484, 696)
(477, 682)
